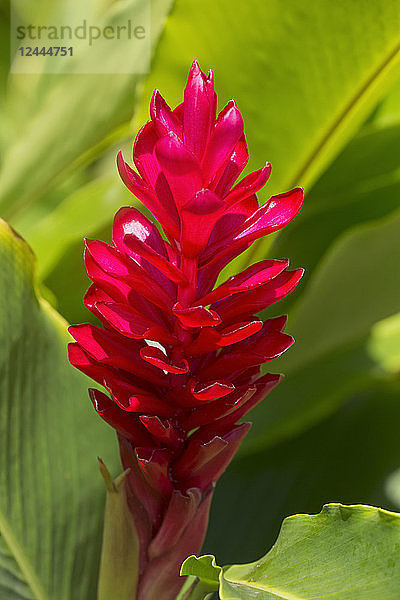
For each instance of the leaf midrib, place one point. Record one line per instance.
(388, 61)
(22, 560)
(277, 593)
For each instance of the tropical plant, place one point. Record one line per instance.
(318, 86)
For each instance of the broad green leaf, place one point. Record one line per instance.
(304, 78)
(361, 185)
(343, 553)
(344, 196)
(82, 214)
(384, 343)
(4, 45)
(388, 111)
(74, 114)
(57, 238)
(346, 457)
(355, 285)
(393, 487)
(51, 494)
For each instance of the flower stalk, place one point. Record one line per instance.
(179, 356)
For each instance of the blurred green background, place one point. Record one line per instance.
(318, 84)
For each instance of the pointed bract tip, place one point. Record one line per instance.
(88, 242)
(101, 402)
(195, 71)
(156, 98)
(121, 165)
(105, 473)
(300, 192)
(155, 94)
(92, 396)
(112, 485)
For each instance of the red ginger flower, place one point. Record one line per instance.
(181, 360)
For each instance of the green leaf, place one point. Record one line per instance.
(51, 498)
(305, 82)
(387, 112)
(346, 457)
(75, 113)
(353, 287)
(86, 211)
(384, 343)
(205, 568)
(345, 196)
(203, 577)
(343, 553)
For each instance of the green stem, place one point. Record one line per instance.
(197, 591)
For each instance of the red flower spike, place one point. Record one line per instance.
(198, 110)
(132, 324)
(160, 579)
(180, 168)
(196, 316)
(180, 357)
(136, 400)
(237, 162)
(252, 301)
(226, 133)
(156, 357)
(239, 332)
(162, 431)
(151, 499)
(220, 408)
(208, 472)
(253, 277)
(127, 425)
(199, 216)
(148, 196)
(163, 117)
(248, 186)
(197, 454)
(264, 386)
(211, 390)
(121, 267)
(179, 514)
(155, 464)
(140, 239)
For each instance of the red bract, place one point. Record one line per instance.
(179, 359)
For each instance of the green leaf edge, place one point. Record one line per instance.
(362, 99)
(192, 563)
(204, 568)
(5, 531)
